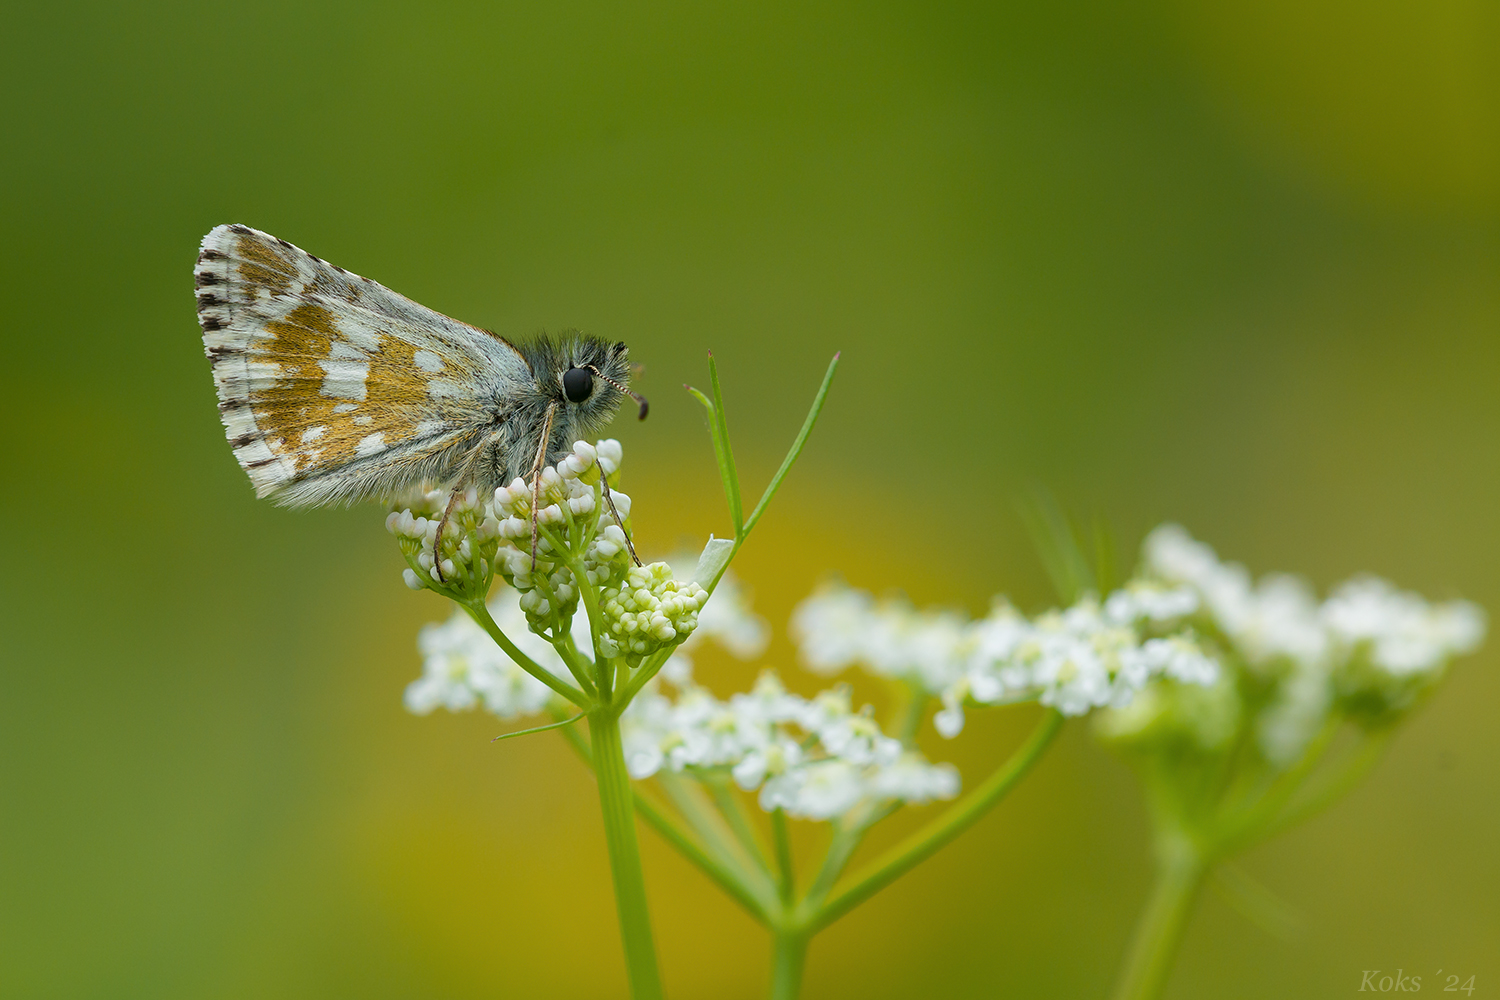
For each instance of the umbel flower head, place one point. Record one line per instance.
(462, 668)
(1369, 652)
(581, 529)
(1085, 657)
(815, 758)
(812, 758)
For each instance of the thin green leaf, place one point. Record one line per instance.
(791, 456)
(538, 729)
(721, 454)
(1058, 546)
(726, 459)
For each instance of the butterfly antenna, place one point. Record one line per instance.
(645, 406)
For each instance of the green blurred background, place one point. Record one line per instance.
(1234, 264)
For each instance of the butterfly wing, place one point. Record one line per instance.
(331, 386)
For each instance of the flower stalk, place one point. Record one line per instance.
(788, 959)
(1181, 870)
(941, 831)
(616, 804)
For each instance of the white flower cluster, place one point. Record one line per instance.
(813, 758)
(1369, 645)
(1400, 632)
(462, 667)
(1090, 655)
(469, 543)
(569, 509)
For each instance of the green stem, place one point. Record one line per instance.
(788, 957)
(911, 706)
(714, 862)
(616, 801)
(786, 875)
(941, 831)
(692, 803)
(1241, 827)
(590, 598)
(720, 871)
(1180, 874)
(643, 674)
(841, 848)
(1331, 790)
(576, 664)
(486, 621)
(732, 809)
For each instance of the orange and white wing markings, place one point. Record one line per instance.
(331, 386)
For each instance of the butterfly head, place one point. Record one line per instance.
(589, 377)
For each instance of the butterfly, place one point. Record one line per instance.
(333, 388)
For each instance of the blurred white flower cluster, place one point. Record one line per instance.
(463, 668)
(1368, 650)
(813, 758)
(1279, 618)
(1085, 657)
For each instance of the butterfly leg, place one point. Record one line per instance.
(536, 477)
(604, 481)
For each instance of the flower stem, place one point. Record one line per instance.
(719, 868)
(1349, 774)
(616, 801)
(786, 875)
(732, 809)
(1180, 874)
(710, 856)
(941, 831)
(788, 956)
(482, 617)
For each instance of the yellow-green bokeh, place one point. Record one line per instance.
(1236, 265)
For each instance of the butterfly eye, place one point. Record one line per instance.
(578, 384)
